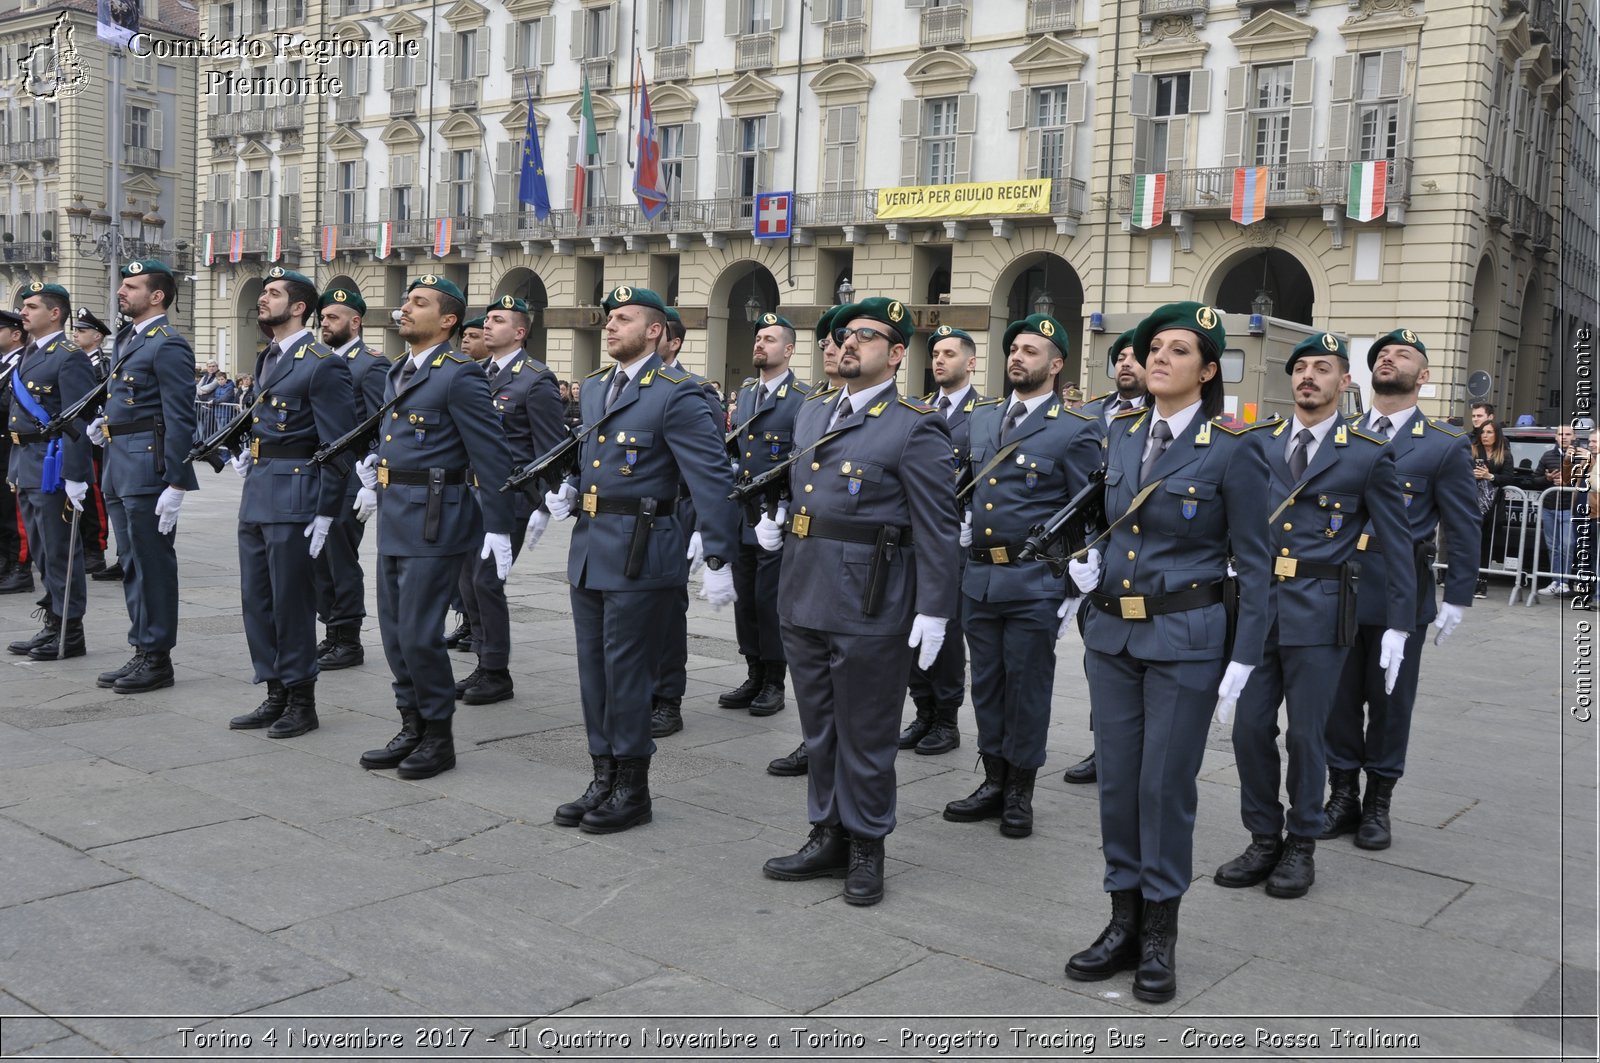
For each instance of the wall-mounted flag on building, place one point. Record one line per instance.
(330, 242)
(275, 249)
(236, 245)
(774, 211)
(1249, 194)
(1149, 199)
(647, 186)
(385, 239)
(117, 21)
(1368, 181)
(443, 230)
(588, 148)
(533, 191)
(211, 248)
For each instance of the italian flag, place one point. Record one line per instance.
(1149, 199)
(1367, 183)
(588, 148)
(211, 248)
(276, 252)
(385, 239)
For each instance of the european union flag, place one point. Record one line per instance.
(533, 191)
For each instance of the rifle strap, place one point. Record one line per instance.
(1000, 455)
(1133, 507)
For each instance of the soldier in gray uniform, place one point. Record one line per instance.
(1030, 456)
(937, 692)
(647, 433)
(1328, 479)
(763, 431)
(1183, 494)
(148, 427)
(341, 590)
(90, 333)
(869, 552)
(50, 472)
(1370, 726)
(527, 404)
(16, 567)
(440, 422)
(288, 504)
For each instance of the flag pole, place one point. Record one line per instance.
(114, 193)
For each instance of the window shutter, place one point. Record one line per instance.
(547, 41)
(608, 30)
(1233, 121)
(1141, 145)
(910, 141)
(1031, 162)
(689, 172)
(821, 11)
(361, 178)
(281, 15)
(572, 153)
(420, 70)
(608, 153)
(1142, 96)
(247, 19)
(1344, 78)
(1402, 123)
(440, 207)
(157, 130)
(388, 74)
(732, 26)
(330, 209)
(1017, 109)
(1199, 92)
(447, 54)
(1339, 119)
(1391, 73)
(696, 30)
(727, 143)
(654, 21)
(772, 132)
(1303, 83)
(832, 163)
(777, 15)
(967, 114)
(362, 68)
(963, 159)
(579, 24)
(480, 58)
(1177, 143)
(1077, 102)
(213, 107)
(914, 3)
(1301, 120)
(1238, 88)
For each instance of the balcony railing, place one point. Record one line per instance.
(1052, 16)
(1311, 184)
(1544, 20)
(287, 118)
(27, 252)
(755, 51)
(598, 71)
(463, 95)
(672, 62)
(1499, 203)
(844, 40)
(402, 102)
(1159, 8)
(1068, 196)
(149, 158)
(346, 110)
(855, 207)
(944, 26)
(30, 151)
(248, 123)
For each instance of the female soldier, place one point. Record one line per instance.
(1183, 493)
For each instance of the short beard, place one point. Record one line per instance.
(273, 322)
(1030, 381)
(852, 372)
(623, 354)
(1393, 386)
(334, 338)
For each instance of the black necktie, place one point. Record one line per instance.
(619, 380)
(761, 395)
(27, 352)
(1161, 439)
(1384, 425)
(944, 406)
(1300, 456)
(1019, 410)
(494, 370)
(406, 372)
(842, 411)
(270, 361)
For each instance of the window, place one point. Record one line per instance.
(673, 28)
(747, 165)
(258, 101)
(466, 46)
(1270, 121)
(1377, 108)
(460, 184)
(1049, 117)
(672, 158)
(260, 15)
(402, 70)
(255, 199)
(25, 128)
(757, 16)
(224, 24)
(526, 46)
(137, 135)
(598, 28)
(403, 203)
(349, 193)
(939, 140)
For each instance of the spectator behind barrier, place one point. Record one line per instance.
(1492, 469)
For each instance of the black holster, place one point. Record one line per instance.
(430, 520)
(161, 446)
(884, 553)
(639, 545)
(1347, 619)
(1230, 609)
(1423, 558)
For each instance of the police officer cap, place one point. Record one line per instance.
(890, 312)
(1198, 318)
(10, 319)
(1124, 340)
(1323, 343)
(350, 297)
(673, 316)
(475, 322)
(1040, 325)
(440, 284)
(623, 295)
(278, 273)
(140, 266)
(41, 288)
(1400, 337)
(770, 319)
(88, 320)
(945, 332)
(507, 302)
(825, 322)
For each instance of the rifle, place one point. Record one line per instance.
(229, 436)
(61, 424)
(765, 492)
(554, 465)
(362, 435)
(1071, 522)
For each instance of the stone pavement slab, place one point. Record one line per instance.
(33, 867)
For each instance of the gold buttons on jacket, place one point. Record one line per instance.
(1130, 555)
(1127, 585)
(1287, 526)
(988, 505)
(388, 439)
(992, 481)
(808, 488)
(600, 439)
(1136, 529)
(816, 466)
(597, 463)
(1286, 551)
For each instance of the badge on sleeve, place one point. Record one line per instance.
(854, 486)
(1335, 522)
(1190, 507)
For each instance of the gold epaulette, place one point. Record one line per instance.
(1239, 428)
(1137, 410)
(1078, 412)
(987, 402)
(800, 386)
(597, 372)
(1448, 429)
(1361, 433)
(666, 371)
(820, 393)
(920, 407)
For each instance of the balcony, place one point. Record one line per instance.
(402, 103)
(944, 27)
(1544, 22)
(598, 71)
(1068, 197)
(1499, 201)
(147, 158)
(43, 150)
(821, 209)
(287, 119)
(1151, 10)
(1248, 9)
(346, 111)
(245, 123)
(672, 62)
(1309, 185)
(1052, 16)
(844, 40)
(463, 95)
(755, 51)
(24, 253)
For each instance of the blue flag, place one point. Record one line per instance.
(533, 191)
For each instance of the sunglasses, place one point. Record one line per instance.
(863, 335)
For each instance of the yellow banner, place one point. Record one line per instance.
(978, 199)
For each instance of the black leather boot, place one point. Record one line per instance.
(153, 673)
(464, 685)
(666, 717)
(461, 637)
(107, 680)
(863, 883)
(52, 624)
(265, 713)
(1374, 830)
(918, 728)
(1117, 947)
(943, 736)
(434, 754)
(605, 774)
(113, 574)
(987, 800)
(494, 685)
(49, 650)
(1341, 813)
(344, 648)
(628, 804)
(18, 579)
(301, 714)
(770, 699)
(1156, 980)
(1296, 870)
(400, 746)
(1016, 817)
(93, 561)
(796, 763)
(745, 694)
(826, 854)
(1082, 772)
(1251, 867)
(326, 644)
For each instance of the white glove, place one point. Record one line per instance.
(717, 587)
(559, 502)
(366, 504)
(1228, 691)
(500, 546)
(928, 633)
(241, 464)
(317, 532)
(696, 554)
(97, 431)
(1449, 618)
(966, 529)
(167, 507)
(1392, 652)
(1068, 613)
(537, 523)
(366, 471)
(1086, 573)
(76, 490)
(769, 530)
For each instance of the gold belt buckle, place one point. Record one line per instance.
(999, 556)
(800, 525)
(591, 504)
(255, 449)
(106, 428)
(1133, 607)
(1285, 566)
(1363, 542)
(16, 439)
(383, 476)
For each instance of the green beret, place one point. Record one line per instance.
(41, 288)
(1040, 325)
(945, 332)
(1315, 347)
(622, 295)
(891, 312)
(474, 322)
(146, 265)
(508, 302)
(1124, 340)
(278, 273)
(1400, 337)
(88, 320)
(350, 297)
(825, 322)
(9, 319)
(673, 316)
(1198, 318)
(770, 319)
(440, 284)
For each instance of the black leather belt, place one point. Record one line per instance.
(994, 555)
(628, 507)
(22, 439)
(259, 450)
(1369, 543)
(802, 526)
(1292, 567)
(1144, 606)
(122, 428)
(418, 477)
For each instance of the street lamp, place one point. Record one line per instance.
(95, 236)
(1044, 304)
(752, 310)
(846, 292)
(1260, 310)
